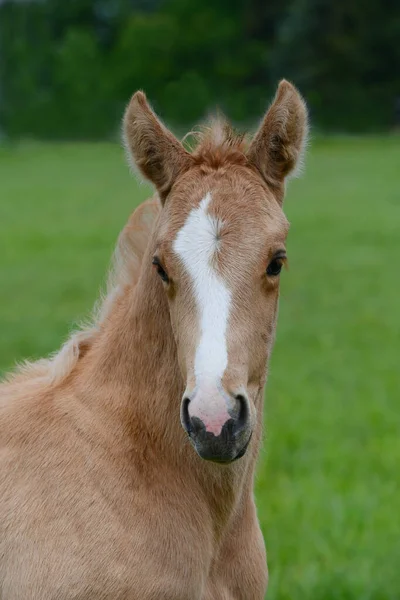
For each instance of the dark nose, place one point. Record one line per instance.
(233, 439)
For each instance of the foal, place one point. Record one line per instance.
(127, 460)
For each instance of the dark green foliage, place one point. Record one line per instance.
(345, 58)
(68, 68)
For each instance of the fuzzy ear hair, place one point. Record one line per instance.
(279, 143)
(159, 156)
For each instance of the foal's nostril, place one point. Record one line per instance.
(185, 415)
(243, 411)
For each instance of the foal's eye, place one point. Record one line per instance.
(160, 270)
(275, 266)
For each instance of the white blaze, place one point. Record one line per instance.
(196, 244)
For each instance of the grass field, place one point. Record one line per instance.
(328, 488)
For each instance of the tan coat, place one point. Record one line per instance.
(102, 496)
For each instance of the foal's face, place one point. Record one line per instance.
(219, 249)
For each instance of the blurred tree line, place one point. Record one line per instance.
(68, 67)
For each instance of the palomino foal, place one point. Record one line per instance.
(127, 460)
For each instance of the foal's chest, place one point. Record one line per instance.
(103, 550)
(103, 570)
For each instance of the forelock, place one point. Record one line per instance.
(218, 145)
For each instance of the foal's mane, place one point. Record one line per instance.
(214, 147)
(124, 271)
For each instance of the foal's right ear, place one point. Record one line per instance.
(159, 156)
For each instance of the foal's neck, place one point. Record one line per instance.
(135, 354)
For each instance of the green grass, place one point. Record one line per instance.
(328, 487)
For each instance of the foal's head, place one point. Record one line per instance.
(218, 251)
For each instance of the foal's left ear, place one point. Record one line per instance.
(278, 145)
(157, 153)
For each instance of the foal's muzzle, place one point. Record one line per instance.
(228, 443)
